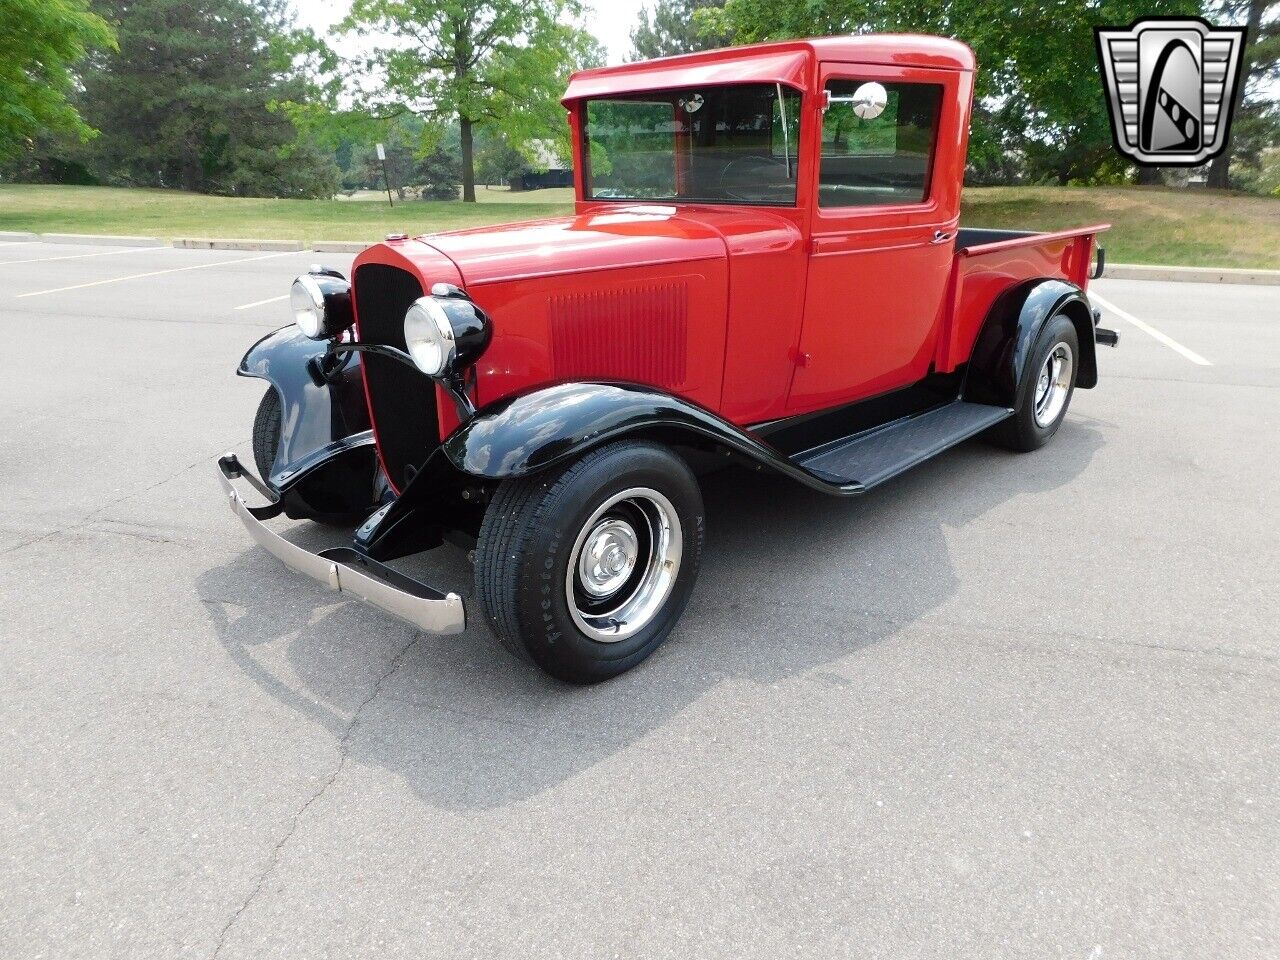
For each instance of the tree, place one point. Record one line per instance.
(400, 168)
(1260, 68)
(672, 27)
(1048, 67)
(40, 42)
(1037, 82)
(497, 160)
(190, 101)
(401, 138)
(413, 160)
(499, 64)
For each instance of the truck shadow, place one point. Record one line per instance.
(793, 583)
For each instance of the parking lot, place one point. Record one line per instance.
(1004, 706)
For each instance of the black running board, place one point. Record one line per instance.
(870, 458)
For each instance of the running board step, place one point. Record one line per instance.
(875, 456)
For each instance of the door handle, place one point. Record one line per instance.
(941, 236)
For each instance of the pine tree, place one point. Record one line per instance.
(189, 100)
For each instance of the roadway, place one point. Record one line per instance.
(1004, 706)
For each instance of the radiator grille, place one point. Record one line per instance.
(634, 333)
(402, 402)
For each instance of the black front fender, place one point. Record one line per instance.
(1002, 353)
(326, 461)
(317, 408)
(529, 432)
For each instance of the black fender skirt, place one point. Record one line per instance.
(1002, 352)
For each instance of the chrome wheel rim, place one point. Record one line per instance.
(624, 564)
(1054, 384)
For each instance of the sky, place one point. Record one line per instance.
(610, 20)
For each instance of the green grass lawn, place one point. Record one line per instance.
(1195, 228)
(171, 213)
(485, 194)
(1187, 227)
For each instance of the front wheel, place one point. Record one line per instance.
(1046, 390)
(585, 571)
(266, 433)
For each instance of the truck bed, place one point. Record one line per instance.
(967, 237)
(989, 262)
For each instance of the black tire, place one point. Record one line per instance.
(1023, 432)
(266, 433)
(531, 534)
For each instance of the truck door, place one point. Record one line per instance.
(890, 158)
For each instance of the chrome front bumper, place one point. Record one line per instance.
(342, 568)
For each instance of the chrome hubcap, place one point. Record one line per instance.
(608, 557)
(624, 564)
(1054, 385)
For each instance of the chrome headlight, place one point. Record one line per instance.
(307, 303)
(446, 332)
(429, 336)
(321, 303)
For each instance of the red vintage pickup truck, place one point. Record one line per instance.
(765, 264)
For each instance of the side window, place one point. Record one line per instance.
(873, 157)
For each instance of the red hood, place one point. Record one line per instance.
(627, 237)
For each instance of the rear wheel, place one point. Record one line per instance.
(1046, 391)
(585, 571)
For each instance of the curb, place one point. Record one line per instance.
(339, 246)
(1139, 271)
(8, 236)
(103, 239)
(199, 243)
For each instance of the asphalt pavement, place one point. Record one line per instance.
(1004, 706)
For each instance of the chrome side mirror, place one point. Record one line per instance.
(869, 100)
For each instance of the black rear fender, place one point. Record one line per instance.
(1002, 353)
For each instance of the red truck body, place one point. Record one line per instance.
(766, 266)
(755, 313)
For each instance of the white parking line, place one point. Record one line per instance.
(5, 244)
(77, 256)
(1151, 331)
(154, 273)
(260, 303)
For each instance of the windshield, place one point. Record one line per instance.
(725, 144)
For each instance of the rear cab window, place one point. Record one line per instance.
(878, 158)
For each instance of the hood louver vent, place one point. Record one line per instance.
(637, 333)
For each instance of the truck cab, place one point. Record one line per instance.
(765, 264)
(853, 149)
